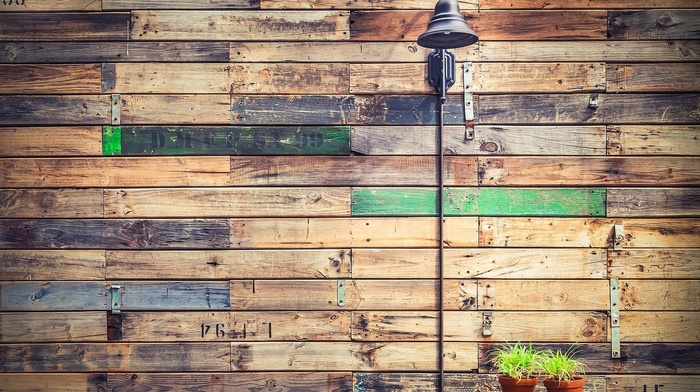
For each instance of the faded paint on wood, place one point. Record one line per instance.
(650, 78)
(50, 79)
(53, 327)
(654, 263)
(595, 4)
(653, 202)
(65, 26)
(174, 295)
(65, 357)
(50, 141)
(182, 4)
(654, 24)
(627, 383)
(240, 25)
(393, 263)
(53, 382)
(52, 265)
(54, 296)
(660, 327)
(394, 326)
(659, 295)
(54, 109)
(545, 232)
(543, 295)
(654, 140)
(238, 264)
(175, 109)
(51, 203)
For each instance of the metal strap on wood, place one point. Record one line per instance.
(619, 237)
(116, 109)
(468, 101)
(615, 317)
(115, 299)
(341, 292)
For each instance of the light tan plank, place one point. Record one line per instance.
(652, 202)
(52, 264)
(359, 4)
(43, 141)
(50, 79)
(178, 4)
(216, 382)
(545, 232)
(654, 140)
(385, 326)
(662, 383)
(57, 5)
(659, 295)
(652, 77)
(660, 327)
(51, 203)
(222, 264)
(544, 295)
(460, 294)
(654, 263)
(53, 327)
(661, 233)
(393, 263)
(594, 4)
(53, 382)
(176, 109)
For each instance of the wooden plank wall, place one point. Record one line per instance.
(241, 194)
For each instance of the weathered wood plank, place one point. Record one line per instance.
(54, 296)
(54, 141)
(98, 172)
(660, 327)
(543, 295)
(624, 78)
(55, 109)
(350, 232)
(239, 264)
(676, 383)
(175, 109)
(659, 294)
(489, 140)
(182, 4)
(394, 326)
(392, 263)
(114, 234)
(550, 326)
(654, 263)
(654, 140)
(661, 233)
(491, 25)
(59, 5)
(53, 326)
(595, 4)
(653, 202)
(323, 294)
(169, 357)
(53, 382)
(575, 109)
(545, 232)
(65, 26)
(243, 25)
(360, 4)
(349, 356)
(51, 203)
(588, 171)
(50, 79)
(654, 24)
(618, 51)
(91, 52)
(172, 295)
(52, 265)
(54, 357)
(181, 140)
(479, 202)
(460, 294)
(288, 381)
(182, 326)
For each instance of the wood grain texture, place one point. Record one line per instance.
(654, 140)
(360, 4)
(169, 4)
(55, 109)
(627, 383)
(53, 327)
(238, 264)
(652, 202)
(543, 295)
(394, 326)
(50, 79)
(660, 24)
(661, 327)
(51, 203)
(661, 233)
(545, 232)
(594, 4)
(174, 295)
(65, 26)
(654, 263)
(50, 141)
(244, 26)
(52, 265)
(54, 296)
(53, 382)
(623, 78)
(175, 109)
(392, 263)
(659, 295)
(54, 357)
(59, 5)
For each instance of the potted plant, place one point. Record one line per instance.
(518, 367)
(562, 373)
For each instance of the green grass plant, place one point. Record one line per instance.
(517, 361)
(561, 365)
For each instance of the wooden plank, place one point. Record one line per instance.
(54, 109)
(489, 140)
(183, 140)
(659, 294)
(360, 4)
(169, 357)
(113, 171)
(290, 381)
(173, 295)
(588, 171)
(53, 326)
(654, 24)
(114, 234)
(53, 382)
(550, 326)
(574, 109)
(51, 203)
(654, 263)
(594, 4)
(52, 265)
(661, 327)
(545, 232)
(175, 109)
(460, 294)
(521, 263)
(323, 294)
(349, 356)
(183, 326)
(627, 383)
(392, 263)
(652, 202)
(394, 326)
(91, 52)
(239, 264)
(618, 51)
(50, 79)
(402, 232)
(491, 25)
(654, 140)
(65, 26)
(54, 357)
(54, 296)
(60, 5)
(183, 4)
(50, 141)
(661, 233)
(543, 295)
(626, 78)
(243, 25)
(479, 202)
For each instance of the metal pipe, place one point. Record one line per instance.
(441, 226)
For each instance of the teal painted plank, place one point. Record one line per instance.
(175, 296)
(53, 296)
(480, 202)
(179, 140)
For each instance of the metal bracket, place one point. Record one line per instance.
(619, 237)
(115, 298)
(468, 101)
(109, 77)
(116, 109)
(593, 101)
(486, 323)
(341, 292)
(615, 317)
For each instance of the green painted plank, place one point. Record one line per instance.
(178, 140)
(479, 202)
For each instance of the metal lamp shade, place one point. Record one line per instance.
(447, 29)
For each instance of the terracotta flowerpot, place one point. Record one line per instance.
(509, 384)
(575, 385)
